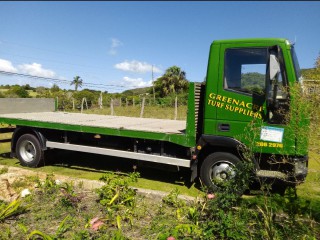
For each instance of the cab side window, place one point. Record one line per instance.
(245, 70)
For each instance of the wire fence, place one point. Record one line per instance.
(311, 86)
(144, 107)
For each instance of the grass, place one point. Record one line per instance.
(256, 216)
(310, 190)
(116, 212)
(30, 92)
(89, 166)
(149, 111)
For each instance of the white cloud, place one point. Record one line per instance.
(7, 66)
(136, 66)
(36, 69)
(136, 82)
(115, 43)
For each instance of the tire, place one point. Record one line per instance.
(218, 167)
(28, 151)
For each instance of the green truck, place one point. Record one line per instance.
(241, 106)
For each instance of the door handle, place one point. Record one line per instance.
(224, 127)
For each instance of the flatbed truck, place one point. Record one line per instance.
(244, 84)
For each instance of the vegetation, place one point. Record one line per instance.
(137, 91)
(172, 82)
(17, 91)
(11, 209)
(171, 85)
(253, 82)
(115, 211)
(77, 82)
(55, 88)
(313, 73)
(150, 111)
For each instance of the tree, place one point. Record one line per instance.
(40, 90)
(253, 82)
(27, 87)
(172, 82)
(317, 63)
(90, 96)
(55, 88)
(17, 91)
(313, 73)
(77, 82)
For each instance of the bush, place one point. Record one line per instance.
(17, 92)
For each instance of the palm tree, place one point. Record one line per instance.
(173, 81)
(77, 82)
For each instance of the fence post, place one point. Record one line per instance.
(126, 102)
(82, 105)
(133, 103)
(142, 107)
(73, 104)
(176, 108)
(111, 107)
(57, 103)
(100, 100)
(85, 99)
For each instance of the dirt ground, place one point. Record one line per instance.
(15, 174)
(71, 221)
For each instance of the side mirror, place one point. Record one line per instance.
(274, 67)
(274, 70)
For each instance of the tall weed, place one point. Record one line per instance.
(11, 209)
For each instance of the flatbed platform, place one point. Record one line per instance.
(103, 121)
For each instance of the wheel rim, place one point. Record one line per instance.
(222, 171)
(27, 151)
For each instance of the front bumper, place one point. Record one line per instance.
(300, 169)
(293, 172)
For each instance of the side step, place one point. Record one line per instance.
(271, 174)
(118, 153)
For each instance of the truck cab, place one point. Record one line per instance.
(248, 104)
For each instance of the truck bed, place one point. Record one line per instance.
(42, 113)
(102, 121)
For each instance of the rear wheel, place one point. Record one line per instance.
(218, 168)
(28, 151)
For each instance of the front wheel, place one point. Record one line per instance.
(28, 151)
(218, 167)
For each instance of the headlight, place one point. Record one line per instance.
(300, 167)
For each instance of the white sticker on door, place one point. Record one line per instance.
(271, 134)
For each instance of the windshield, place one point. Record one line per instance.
(296, 64)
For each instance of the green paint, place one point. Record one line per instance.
(222, 106)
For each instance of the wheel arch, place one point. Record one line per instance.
(19, 131)
(209, 144)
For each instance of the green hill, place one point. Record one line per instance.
(137, 91)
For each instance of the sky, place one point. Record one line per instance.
(114, 46)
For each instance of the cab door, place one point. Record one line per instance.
(242, 89)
